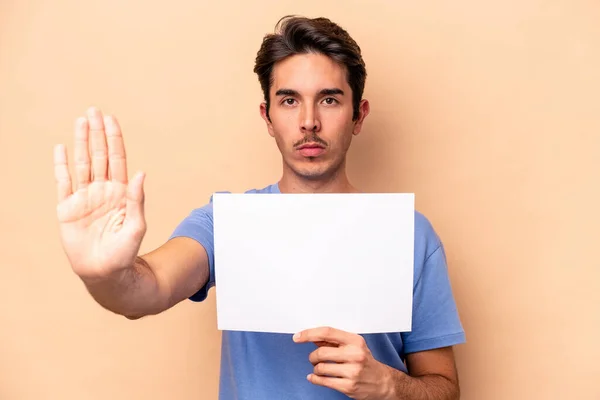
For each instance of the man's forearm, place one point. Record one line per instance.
(427, 387)
(133, 292)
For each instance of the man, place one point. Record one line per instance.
(312, 75)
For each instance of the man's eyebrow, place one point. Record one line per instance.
(326, 92)
(286, 92)
(332, 91)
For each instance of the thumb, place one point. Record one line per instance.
(134, 210)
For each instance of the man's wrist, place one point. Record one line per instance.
(393, 381)
(397, 385)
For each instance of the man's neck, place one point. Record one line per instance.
(291, 183)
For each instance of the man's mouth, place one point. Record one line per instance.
(311, 149)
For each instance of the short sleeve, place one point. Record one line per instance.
(435, 321)
(198, 225)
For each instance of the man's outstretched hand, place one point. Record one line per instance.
(100, 211)
(343, 362)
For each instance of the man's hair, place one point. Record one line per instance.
(300, 35)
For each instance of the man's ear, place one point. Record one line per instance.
(363, 110)
(265, 117)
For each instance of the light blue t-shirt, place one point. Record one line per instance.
(257, 365)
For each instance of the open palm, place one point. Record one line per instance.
(101, 219)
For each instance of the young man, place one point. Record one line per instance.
(312, 75)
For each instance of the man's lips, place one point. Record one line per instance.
(311, 149)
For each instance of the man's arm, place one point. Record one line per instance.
(432, 375)
(156, 282)
(344, 362)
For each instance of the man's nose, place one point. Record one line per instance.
(309, 120)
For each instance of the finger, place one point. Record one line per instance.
(61, 173)
(98, 141)
(329, 354)
(334, 370)
(82, 153)
(328, 344)
(134, 210)
(117, 162)
(327, 334)
(342, 385)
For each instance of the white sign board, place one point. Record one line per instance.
(288, 262)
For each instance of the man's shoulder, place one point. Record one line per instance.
(272, 188)
(206, 210)
(426, 238)
(423, 225)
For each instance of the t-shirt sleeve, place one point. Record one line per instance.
(198, 225)
(435, 320)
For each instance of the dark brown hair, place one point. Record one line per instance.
(299, 35)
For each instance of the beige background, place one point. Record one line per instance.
(488, 111)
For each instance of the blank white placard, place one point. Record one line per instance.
(288, 262)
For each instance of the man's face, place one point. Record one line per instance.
(311, 115)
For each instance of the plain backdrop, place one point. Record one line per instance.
(488, 111)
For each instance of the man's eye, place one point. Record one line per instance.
(289, 102)
(330, 100)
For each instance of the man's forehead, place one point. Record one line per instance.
(308, 72)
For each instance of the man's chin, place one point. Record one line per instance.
(314, 169)
(315, 172)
